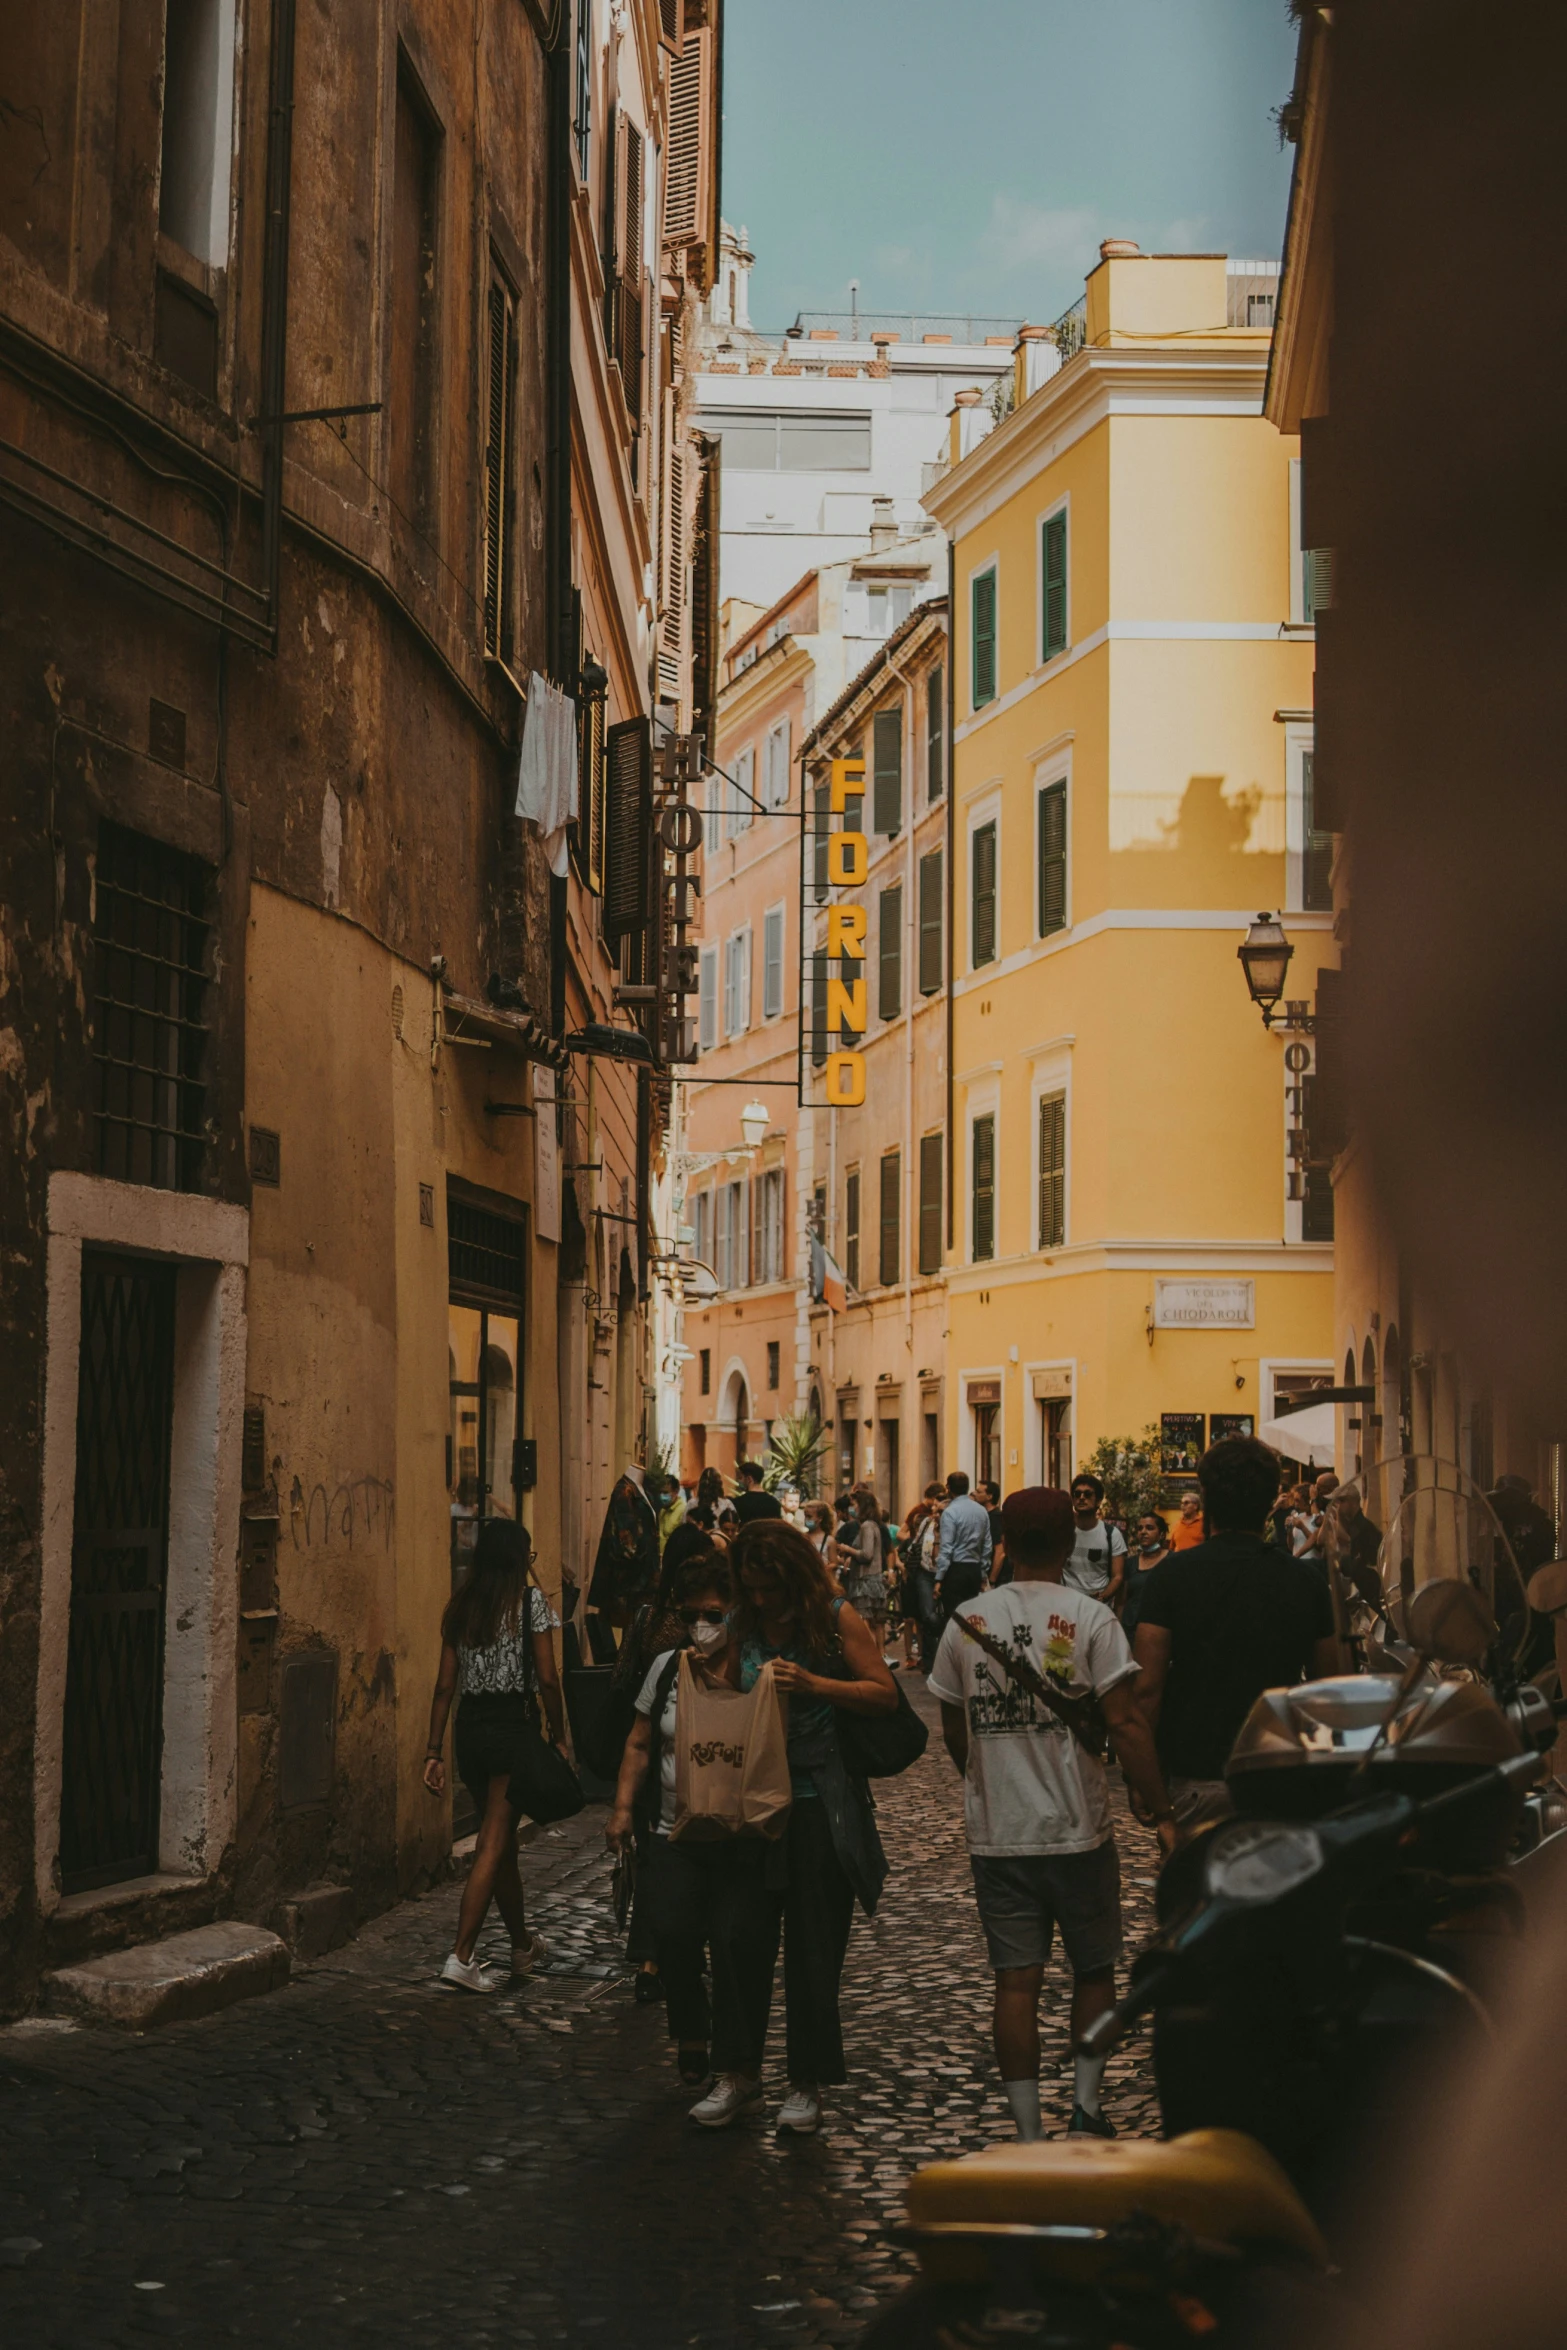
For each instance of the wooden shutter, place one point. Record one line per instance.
(704, 597)
(930, 1203)
(983, 658)
(589, 843)
(686, 195)
(984, 1198)
(610, 240)
(1052, 859)
(497, 465)
(889, 992)
(936, 731)
(891, 1198)
(851, 1229)
(887, 770)
(931, 912)
(1054, 596)
(629, 340)
(984, 888)
(821, 828)
(628, 827)
(1052, 1170)
(669, 22)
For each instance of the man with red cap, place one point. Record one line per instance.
(1036, 1801)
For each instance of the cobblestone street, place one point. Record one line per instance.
(363, 2156)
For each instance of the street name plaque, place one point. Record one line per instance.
(1204, 1305)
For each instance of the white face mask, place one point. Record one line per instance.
(705, 1637)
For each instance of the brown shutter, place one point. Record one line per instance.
(932, 911)
(890, 1252)
(686, 197)
(931, 1151)
(628, 828)
(889, 993)
(1052, 1170)
(497, 465)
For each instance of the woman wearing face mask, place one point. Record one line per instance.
(699, 1900)
(1153, 1548)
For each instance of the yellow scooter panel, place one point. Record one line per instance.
(1217, 2184)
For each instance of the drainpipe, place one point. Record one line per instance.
(559, 652)
(274, 299)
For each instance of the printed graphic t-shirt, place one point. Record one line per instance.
(1030, 1786)
(647, 1698)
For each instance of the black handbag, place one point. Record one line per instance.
(879, 1746)
(543, 1784)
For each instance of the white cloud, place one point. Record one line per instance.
(1021, 236)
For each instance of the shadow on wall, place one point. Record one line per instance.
(1170, 861)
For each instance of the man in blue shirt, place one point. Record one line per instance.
(963, 1550)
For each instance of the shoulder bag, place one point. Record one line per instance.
(1083, 1716)
(543, 1784)
(878, 1746)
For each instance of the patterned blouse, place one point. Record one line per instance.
(505, 1669)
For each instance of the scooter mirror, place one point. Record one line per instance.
(1449, 1622)
(1548, 1588)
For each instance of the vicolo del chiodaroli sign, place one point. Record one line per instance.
(1205, 1305)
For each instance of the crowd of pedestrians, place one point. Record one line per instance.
(1050, 1632)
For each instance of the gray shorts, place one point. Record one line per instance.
(1023, 1900)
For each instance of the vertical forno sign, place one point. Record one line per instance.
(839, 854)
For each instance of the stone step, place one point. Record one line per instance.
(172, 1981)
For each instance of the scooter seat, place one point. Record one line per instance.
(1217, 2184)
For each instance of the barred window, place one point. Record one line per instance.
(149, 1027)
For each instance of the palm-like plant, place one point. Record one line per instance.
(794, 1452)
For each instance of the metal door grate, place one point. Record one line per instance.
(149, 1034)
(119, 1559)
(484, 1252)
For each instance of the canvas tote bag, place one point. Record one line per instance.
(731, 1758)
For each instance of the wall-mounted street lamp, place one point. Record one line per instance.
(1265, 956)
(753, 1124)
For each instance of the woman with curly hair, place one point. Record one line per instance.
(709, 1497)
(827, 1662)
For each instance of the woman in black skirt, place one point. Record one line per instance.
(494, 1664)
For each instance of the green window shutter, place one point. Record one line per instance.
(891, 1198)
(887, 770)
(1054, 597)
(1052, 859)
(889, 993)
(982, 667)
(931, 911)
(628, 828)
(1052, 1170)
(818, 1011)
(936, 732)
(983, 852)
(984, 1195)
(1316, 881)
(851, 1229)
(930, 1203)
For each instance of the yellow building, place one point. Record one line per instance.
(1131, 773)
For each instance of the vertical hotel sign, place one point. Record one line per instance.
(835, 860)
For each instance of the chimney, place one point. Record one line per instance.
(884, 530)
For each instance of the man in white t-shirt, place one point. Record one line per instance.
(1036, 1802)
(1097, 1565)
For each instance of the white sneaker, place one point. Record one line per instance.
(470, 1974)
(728, 2097)
(801, 2111)
(526, 1956)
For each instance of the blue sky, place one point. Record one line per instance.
(971, 156)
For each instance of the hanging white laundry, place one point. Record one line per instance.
(547, 769)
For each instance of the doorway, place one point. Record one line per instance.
(887, 1479)
(1055, 1431)
(113, 1744)
(987, 1444)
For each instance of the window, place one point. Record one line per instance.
(851, 1228)
(772, 962)
(198, 128)
(890, 1253)
(931, 911)
(936, 732)
(982, 656)
(773, 1352)
(737, 983)
(1052, 1170)
(705, 1363)
(889, 969)
(983, 1218)
(740, 798)
(1052, 858)
(582, 117)
(982, 853)
(499, 498)
(756, 441)
(819, 1211)
(819, 970)
(1316, 873)
(707, 999)
(887, 607)
(775, 766)
(587, 846)
(887, 770)
(149, 1012)
(411, 373)
(732, 1248)
(1052, 587)
(930, 1202)
(769, 1255)
(702, 1225)
(822, 826)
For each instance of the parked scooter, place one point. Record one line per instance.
(1316, 1955)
